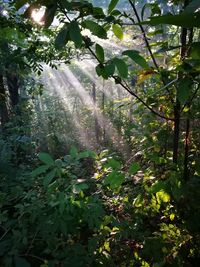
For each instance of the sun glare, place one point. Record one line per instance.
(37, 15)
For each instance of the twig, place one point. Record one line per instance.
(32, 256)
(148, 45)
(128, 89)
(5, 233)
(116, 79)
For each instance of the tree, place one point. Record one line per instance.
(176, 83)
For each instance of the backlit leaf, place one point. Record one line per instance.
(117, 30)
(144, 75)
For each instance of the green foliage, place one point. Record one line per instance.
(95, 28)
(117, 30)
(100, 53)
(112, 5)
(88, 208)
(137, 58)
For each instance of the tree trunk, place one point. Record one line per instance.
(3, 107)
(177, 107)
(13, 88)
(177, 111)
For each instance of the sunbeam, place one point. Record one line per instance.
(63, 82)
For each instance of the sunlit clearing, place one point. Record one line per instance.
(37, 15)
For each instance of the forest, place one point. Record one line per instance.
(99, 133)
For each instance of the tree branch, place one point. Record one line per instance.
(148, 46)
(127, 88)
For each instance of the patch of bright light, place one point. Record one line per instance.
(5, 13)
(37, 15)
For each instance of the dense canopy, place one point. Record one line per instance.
(99, 133)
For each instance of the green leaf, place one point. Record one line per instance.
(75, 33)
(58, 163)
(112, 5)
(192, 7)
(137, 58)
(134, 168)
(95, 28)
(195, 50)
(157, 186)
(121, 67)
(62, 38)
(155, 10)
(162, 196)
(100, 70)
(77, 188)
(73, 152)
(46, 158)
(114, 179)
(184, 90)
(20, 262)
(114, 164)
(109, 68)
(100, 53)
(187, 20)
(117, 30)
(49, 177)
(40, 170)
(49, 15)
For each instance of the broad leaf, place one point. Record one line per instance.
(135, 56)
(121, 67)
(109, 68)
(49, 15)
(114, 164)
(162, 196)
(100, 53)
(195, 50)
(134, 168)
(62, 38)
(49, 177)
(187, 20)
(192, 7)
(114, 179)
(46, 158)
(73, 152)
(77, 188)
(40, 170)
(144, 75)
(75, 33)
(112, 5)
(184, 90)
(95, 28)
(117, 30)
